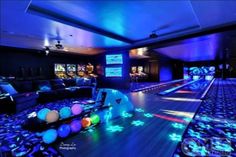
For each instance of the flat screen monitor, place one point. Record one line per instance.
(113, 72)
(59, 67)
(114, 59)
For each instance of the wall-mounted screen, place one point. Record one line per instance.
(113, 72)
(114, 59)
(59, 67)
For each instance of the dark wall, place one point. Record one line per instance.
(161, 68)
(13, 59)
(140, 62)
(178, 69)
(154, 70)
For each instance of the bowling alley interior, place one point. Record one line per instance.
(113, 78)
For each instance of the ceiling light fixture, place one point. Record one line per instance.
(153, 35)
(47, 50)
(59, 45)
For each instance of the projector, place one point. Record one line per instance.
(59, 45)
(153, 35)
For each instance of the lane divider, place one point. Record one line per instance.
(206, 91)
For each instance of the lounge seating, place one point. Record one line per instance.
(21, 100)
(26, 94)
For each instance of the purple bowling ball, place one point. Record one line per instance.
(75, 126)
(76, 109)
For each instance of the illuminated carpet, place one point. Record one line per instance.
(15, 141)
(212, 132)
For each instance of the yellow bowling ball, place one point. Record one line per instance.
(52, 116)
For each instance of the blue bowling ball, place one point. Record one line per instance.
(49, 136)
(65, 112)
(64, 130)
(43, 113)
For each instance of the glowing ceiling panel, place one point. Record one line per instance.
(128, 20)
(134, 20)
(30, 31)
(195, 49)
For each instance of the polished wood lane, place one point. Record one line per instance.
(147, 134)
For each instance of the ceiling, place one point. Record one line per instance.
(92, 27)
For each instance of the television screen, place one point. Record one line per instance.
(59, 67)
(113, 72)
(114, 59)
(71, 67)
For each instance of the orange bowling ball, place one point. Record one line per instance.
(85, 122)
(52, 116)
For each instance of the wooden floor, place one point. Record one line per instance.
(143, 135)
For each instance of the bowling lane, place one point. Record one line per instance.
(167, 86)
(194, 90)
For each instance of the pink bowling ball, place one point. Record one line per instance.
(76, 109)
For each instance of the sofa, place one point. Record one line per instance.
(26, 94)
(20, 101)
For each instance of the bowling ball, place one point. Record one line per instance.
(52, 116)
(86, 122)
(76, 109)
(49, 136)
(75, 126)
(43, 113)
(95, 119)
(65, 112)
(64, 130)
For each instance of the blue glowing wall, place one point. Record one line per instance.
(165, 71)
